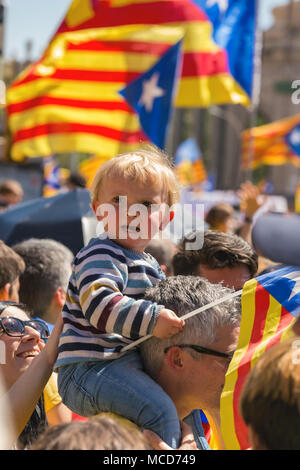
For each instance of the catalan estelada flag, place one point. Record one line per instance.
(277, 143)
(188, 163)
(69, 100)
(270, 304)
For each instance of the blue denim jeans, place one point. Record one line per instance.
(120, 386)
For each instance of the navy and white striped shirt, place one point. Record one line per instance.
(104, 308)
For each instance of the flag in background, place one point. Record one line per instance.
(276, 143)
(151, 95)
(69, 100)
(270, 304)
(188, 163)
(234, 30)
(52, 177)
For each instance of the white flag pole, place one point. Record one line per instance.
(186, 316)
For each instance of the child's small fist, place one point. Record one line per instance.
(168, 324)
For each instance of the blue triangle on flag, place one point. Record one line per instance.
(151, 95)
(284, 285)
(293, 139)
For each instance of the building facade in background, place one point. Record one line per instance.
(280, 69)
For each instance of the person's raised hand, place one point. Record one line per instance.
(251, 198)
(167, 324)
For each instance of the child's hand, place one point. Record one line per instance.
(168, 324)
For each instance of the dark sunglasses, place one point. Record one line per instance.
(202, 350)
(13, 326)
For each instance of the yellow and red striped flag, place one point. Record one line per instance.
(69, 100)
(89, 167)
(270, 304)
(276, 143)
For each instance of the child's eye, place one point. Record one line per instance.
(116, 199)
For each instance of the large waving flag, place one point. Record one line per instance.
(277, 143)
(234, 29)
(69, 100)
(188, 163)
(270, 304)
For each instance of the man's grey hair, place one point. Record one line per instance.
(48, 266)
(183, 294)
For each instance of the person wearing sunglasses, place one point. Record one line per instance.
(191, 366)
(26, 364)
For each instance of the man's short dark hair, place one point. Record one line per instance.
(219, 250)
(11, 265)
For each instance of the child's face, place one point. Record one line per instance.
(131, 212)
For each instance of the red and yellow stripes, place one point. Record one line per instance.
(264, 323)
(265, 145)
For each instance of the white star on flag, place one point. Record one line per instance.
(295, 137)
(222, 4)
(294, 276)
(150, 92)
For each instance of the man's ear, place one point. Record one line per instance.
(4, 291)
(174, 358)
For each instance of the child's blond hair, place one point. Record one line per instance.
(148, 166)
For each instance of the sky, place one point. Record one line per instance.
(37, 21)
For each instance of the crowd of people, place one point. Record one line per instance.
(68, 327)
